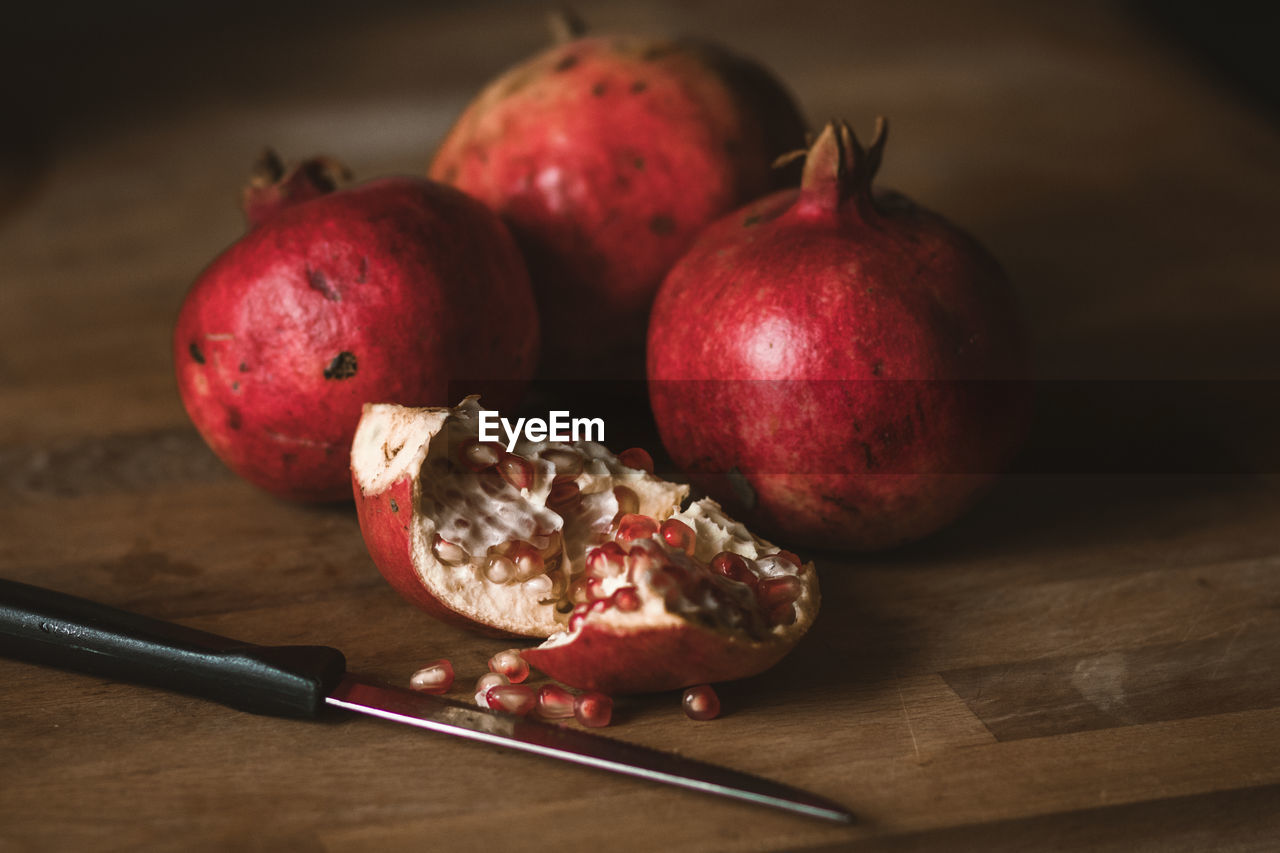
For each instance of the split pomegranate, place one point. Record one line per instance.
(606, 156)
(390, 290)
(839, 366)
(435, 677)
(701, 703)
(621, 580)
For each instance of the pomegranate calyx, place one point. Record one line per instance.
(566, 25)
(838, 169)
(273, 187)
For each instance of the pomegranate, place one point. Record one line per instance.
(840, 366)
(621, 580)
(385, 291)
(607, 155)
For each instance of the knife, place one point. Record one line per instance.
(55, 629)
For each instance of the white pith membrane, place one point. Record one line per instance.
(484, 515)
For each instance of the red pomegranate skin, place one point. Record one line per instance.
(652, 660)
(386, 291)
(606, 156)
(844, 368)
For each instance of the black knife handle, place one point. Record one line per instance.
(47, 627)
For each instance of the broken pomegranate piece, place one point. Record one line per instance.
(635, 593)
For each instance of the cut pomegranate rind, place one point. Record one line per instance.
(432, 522)
(707, 628)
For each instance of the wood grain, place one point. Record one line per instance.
(1088, 660)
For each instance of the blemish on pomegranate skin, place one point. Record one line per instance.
(395, 507)
(233, 418)
(196, 355)
(319, 282)
(244, 367)
(638, 163)
(599, 89)
(754, 219)
(566, 63)
(638, 86)
(870, 459)
(363, 275)
(877, 368)
(662, 225)
(343, 366)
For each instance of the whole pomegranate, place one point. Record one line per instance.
(565, 540)
(842, 367)
(385, 291)
(606, 156)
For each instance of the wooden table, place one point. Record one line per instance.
(1091, 658)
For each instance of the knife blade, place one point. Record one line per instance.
(56, 629)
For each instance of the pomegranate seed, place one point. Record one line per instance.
(606, 561)
(626, 599)
(447, 552)
(568, 464)
(634, 526)
(628, 501)
(638, 458)
(510, 664)
(435, 677)
(600, 605)
(734, 567)
(489, 679)
(499, 569)
(528, 562)
(564, 493)
(555, 543)
(789, 557)
(575, 620)
(641, 562)
(541, 586)
(783, 614)
(593, 709)
(477, 455)
(667, 581)
(594, 589)
(679, 535)
(701, 703)
(511, 698)
(516, 470)
(780, 590)
(554, 703)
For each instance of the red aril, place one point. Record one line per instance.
(435, 677)
(593, 709)
(701, 703)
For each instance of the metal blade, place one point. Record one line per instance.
(442, 715)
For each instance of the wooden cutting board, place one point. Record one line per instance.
(1090, 658)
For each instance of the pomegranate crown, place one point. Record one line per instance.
(838, 168)
(272, 187)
